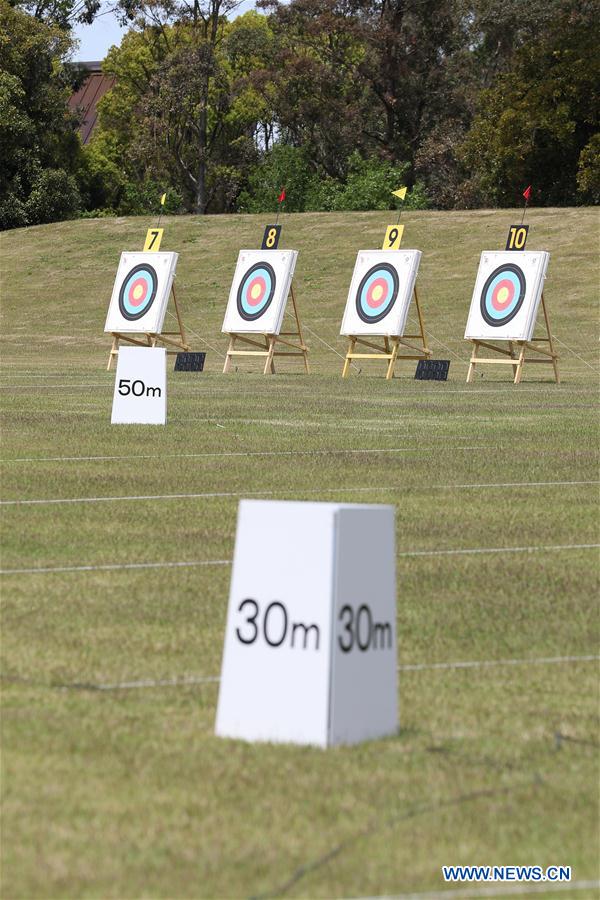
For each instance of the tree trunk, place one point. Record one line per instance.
(201, 199)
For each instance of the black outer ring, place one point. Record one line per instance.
(506, 267)
(143, 267)
(250, 317)
(370, 320)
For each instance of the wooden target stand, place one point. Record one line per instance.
(547, 356)
(268, 348)
(176, 339)
(391, 346)
(517, 239)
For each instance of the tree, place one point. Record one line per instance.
(39, 145)
(183, 110)
(62, 13)
(536, 124)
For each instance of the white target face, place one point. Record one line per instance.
(507, 294)
(141, 292)
(259, 291)
(380, 292)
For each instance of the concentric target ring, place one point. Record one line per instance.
(502, 295)
(377, 293)
(138, 292)
(256, 291)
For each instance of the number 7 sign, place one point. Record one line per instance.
(153, 239)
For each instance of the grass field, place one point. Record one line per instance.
(115, 576)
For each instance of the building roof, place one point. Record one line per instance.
(85, 100)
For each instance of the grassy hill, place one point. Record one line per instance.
(115, 573)
(58, 278)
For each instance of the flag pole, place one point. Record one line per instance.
(160, 211)
(280, 200)
(527, 195)
(401, 193)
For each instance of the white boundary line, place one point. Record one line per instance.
(498, 890)
(226, 453)
(45, 387)
(113, 567)
(341, 490)
(184, 680)
(542, 547)
(491, 663)
(183, 564)
(240, 389)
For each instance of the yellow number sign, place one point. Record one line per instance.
(270, 239)
(153, 239)
(517, 237)
(392, 238)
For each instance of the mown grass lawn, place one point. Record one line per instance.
(116, 791)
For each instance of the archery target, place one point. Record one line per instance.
(380, 292)
(256, 291)
(377, 293)
(141, 292)
(138, 292)
(259, 291)
(506, 295)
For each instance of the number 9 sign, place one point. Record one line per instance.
(393, 237)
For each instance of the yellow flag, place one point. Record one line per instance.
(164, 197)
(401, 193)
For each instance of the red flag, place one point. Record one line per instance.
(527, 193)
(281, 197)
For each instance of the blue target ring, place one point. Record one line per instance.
(138, 292)
(256, 291)
(502, 295)
(377, 293)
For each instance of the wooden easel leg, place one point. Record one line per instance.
(421, 323)
(306, 365)
(113, 352)
(184, 342)
(550, 341)
(228, 358)
(512, 353)
(519, 371)
(471, 371)
(269, 361)
(348, 361)
(390, 369)
(303, 346)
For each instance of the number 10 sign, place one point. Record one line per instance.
(310, 642)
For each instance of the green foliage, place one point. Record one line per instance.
(534, 123)
(369, 184)
(54, 196)
(588, 171)
(144, 199)
(39, 147)
(282, 167)
(62, 13)
(465, 101)
(102, 177)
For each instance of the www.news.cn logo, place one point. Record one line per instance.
(506, 873)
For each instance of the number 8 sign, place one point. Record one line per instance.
(270, 239)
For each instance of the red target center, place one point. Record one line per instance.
(377, 293)
(503, 294)
(256, 291)
(138, 291)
